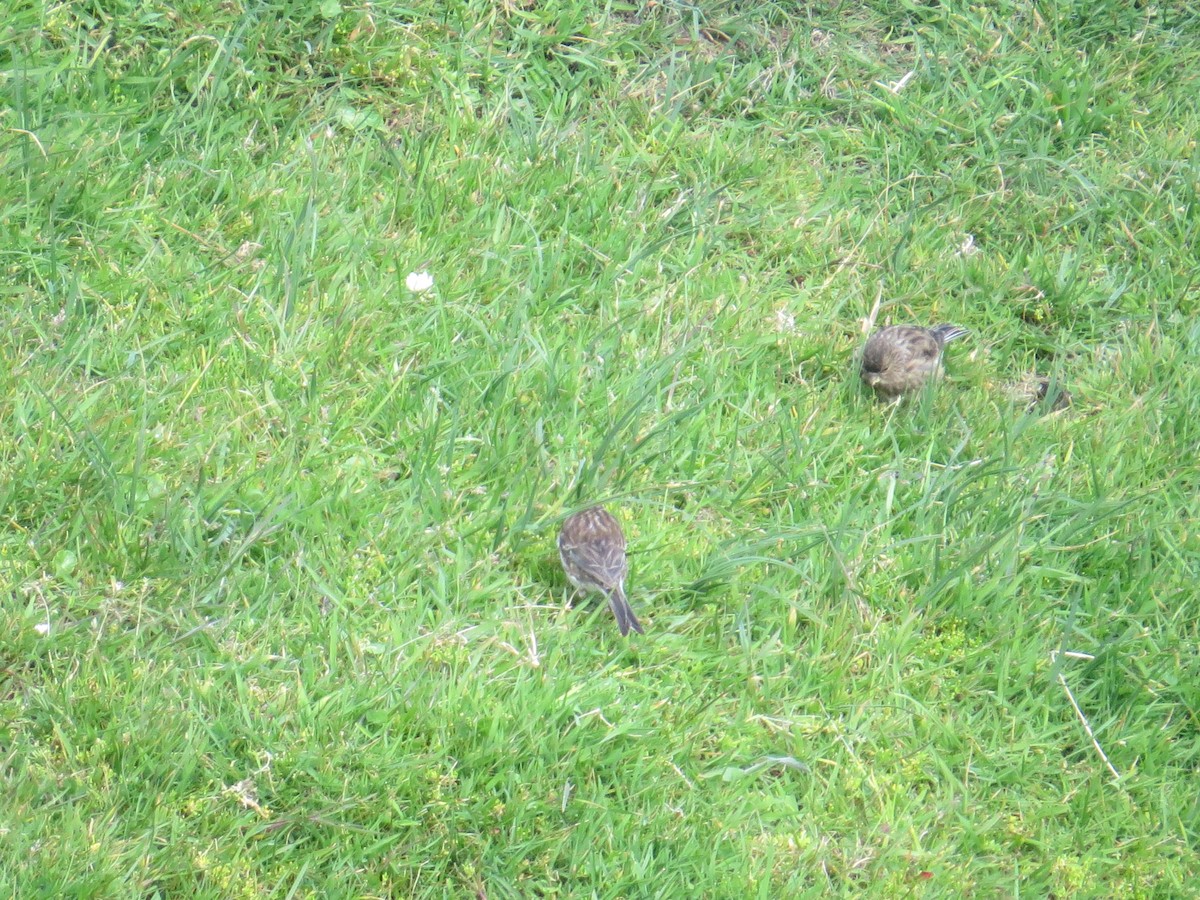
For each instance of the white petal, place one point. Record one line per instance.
(419, 281)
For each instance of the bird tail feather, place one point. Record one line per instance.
(947, 332)
(626, 620)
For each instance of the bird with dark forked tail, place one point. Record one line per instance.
(591, 546)
(901, 358)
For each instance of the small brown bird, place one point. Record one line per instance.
(591, 546)
(900, 358)
(1051, 396)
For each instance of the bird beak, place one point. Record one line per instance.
(872, 379)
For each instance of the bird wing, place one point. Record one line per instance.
(604, 560)
(919, 342)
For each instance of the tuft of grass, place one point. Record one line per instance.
(282, 606)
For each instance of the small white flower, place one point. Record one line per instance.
(967, 247)
(42, 628)
(418, 282)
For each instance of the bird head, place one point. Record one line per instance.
(877, 366)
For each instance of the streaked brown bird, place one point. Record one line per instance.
(1051, 396)
(591, 546)
(900, 358)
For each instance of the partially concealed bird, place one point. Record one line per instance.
(1051, 396)
(591, 546)
(901, 358)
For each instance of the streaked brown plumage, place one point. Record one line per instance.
(900, 358)
(1051, 396)
(591, 546)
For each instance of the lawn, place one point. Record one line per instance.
(281, 608)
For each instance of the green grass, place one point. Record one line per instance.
(282, 610)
